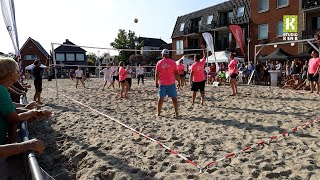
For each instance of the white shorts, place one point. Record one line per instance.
(107, 79)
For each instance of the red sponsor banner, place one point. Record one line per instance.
(238, 35)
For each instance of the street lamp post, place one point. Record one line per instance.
(135, 47)
(99, 67)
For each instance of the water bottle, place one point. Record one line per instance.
(21, 99)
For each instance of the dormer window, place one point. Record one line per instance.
(240, 11)
(181, 26)
(209, 20)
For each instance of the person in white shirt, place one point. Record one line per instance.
(107, 76)
(140, 72)
(129, 76)
(79, 76)
(115, 73)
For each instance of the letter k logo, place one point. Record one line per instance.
(290, 23)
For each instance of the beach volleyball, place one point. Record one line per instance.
(135, 20)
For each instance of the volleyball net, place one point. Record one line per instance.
(68, 57)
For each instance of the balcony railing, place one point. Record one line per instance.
(219, 24)
(195, 29)
(308, 4)
(309, 34)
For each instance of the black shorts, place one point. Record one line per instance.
(181, 75)
(234, 76)
(78, 77)
(115, 78)
(123, 81)
(38, 85)
(312, 78)
(196, 86)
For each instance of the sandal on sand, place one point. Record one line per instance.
(232, 95)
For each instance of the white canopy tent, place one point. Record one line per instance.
(30, 67)
(222, 57)
(186, 61)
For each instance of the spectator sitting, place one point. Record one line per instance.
(293, 83)
(12, 168)
(9, 118)
(305, 85)
(15, 93)
(17, 89)
(222, 77)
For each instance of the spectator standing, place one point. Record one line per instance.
(313, 71)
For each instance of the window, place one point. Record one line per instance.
(280, 28)
(263, 31)
(179, 47)
(282, 3)
(210, 18)
(240, 11)
(60, 57)
(263, 5)
(70, 57)
(30, 57)
(315, 23)
(182, 27)
(80, 57)
(230, 16)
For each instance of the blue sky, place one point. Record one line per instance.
(95, 22)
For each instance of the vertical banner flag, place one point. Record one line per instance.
(9, 17)
(238, 35)
(209, 40)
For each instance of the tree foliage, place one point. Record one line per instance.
(125, 40)
(150, 58)
(90, 62)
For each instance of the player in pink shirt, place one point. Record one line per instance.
(197, 78)
(313, 71)
(233, 72)
(123, 81)
(181, 68)
(166, 74)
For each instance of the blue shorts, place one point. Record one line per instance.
(169, 90)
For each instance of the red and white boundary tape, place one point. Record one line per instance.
(145, 136)
(261, 143)
(228, 156)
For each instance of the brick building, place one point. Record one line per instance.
(310, 20)
(187, 33)
(263, 18)
(266, 24)
(32, 50)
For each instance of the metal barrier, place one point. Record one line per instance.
(33, 165)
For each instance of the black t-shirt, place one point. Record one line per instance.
(37, 73)
(259, 67)
(297, 69)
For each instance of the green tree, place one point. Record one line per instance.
(90, 62)
(91, 57)
(125, 40)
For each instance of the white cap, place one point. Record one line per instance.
(165, 51)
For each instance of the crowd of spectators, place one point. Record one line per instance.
(12, 113)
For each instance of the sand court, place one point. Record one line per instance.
(86, 145)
